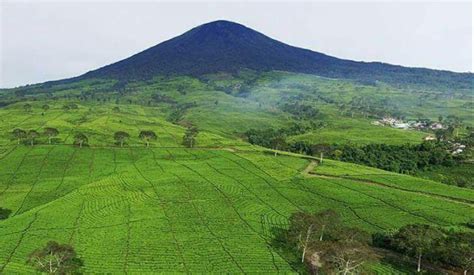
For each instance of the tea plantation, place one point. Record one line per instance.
(167, 208)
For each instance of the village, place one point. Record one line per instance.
(409, 125)
(456, 148)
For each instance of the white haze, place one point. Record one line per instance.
(43, 41)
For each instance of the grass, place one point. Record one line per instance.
(359, 131)
(403, 182)
(229, 115)
(460, 175)
(210, 209)
(99, 122)
(190, 210)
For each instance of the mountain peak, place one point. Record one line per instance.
(222, 30)
(222, 27)
(225, 46)
(222, 24)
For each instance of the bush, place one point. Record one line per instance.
(4, 213)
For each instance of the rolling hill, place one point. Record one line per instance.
(168, 208)
(215, 207)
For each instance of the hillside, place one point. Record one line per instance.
(224, 46)
(252, 99)
(169, 208)
(234, 114)
(192, 156)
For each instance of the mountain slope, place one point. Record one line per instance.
(224, 46)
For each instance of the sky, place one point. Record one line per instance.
(41, 41)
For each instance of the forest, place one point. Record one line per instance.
(405, 158)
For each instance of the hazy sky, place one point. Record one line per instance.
(43, 41)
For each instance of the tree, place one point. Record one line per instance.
(322, 241)
(147, 135)
(341, 107)
(416, 240)
(470, 223)
(189, 138)
(116, 109)
(304, 240)
(80, 139)
(458, 250)
(121, 137)
(45, 107)
(348, 253)
(439, 246)
(321, 149)
(70, 106)
(455, 123)
(278, 143)
(441, 134)
(301, 231)
(55, 258)
(27, 107)
(4, 213)
(32, 136)
(50, 133)
(19, 134)
(326, 220)
(306, 229)
(20, 93)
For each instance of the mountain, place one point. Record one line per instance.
(224, 46)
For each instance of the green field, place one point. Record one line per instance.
(212, 208)
(228, 114)
(196, 210)
(175, 209)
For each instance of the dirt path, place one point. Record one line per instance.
(310, 173)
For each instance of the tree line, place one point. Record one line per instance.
(404, 158)
(367, 106)
(437, 246)
(300, 111)
(276, 138)
(27, 107)
(320, 243)
(81, 139)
